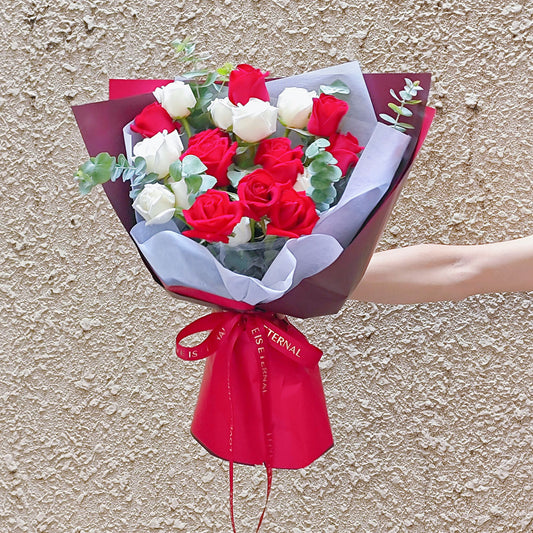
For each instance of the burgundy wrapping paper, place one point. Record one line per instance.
(300, 425)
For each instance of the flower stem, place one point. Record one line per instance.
(287, 132)
(186, 126)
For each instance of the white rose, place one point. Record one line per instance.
(303, 181)
(221, 110)
(155, 203)
(159, 151)
(176, 98)
(242, 232)
(255, 120)
(179, 188)
(295, 106)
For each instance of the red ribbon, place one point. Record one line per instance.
(268, 335)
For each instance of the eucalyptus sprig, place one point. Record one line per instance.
(104, 167)
(323, 173)
(192, 171)
(407, 98)
(206, 83)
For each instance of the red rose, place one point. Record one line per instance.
(247, 82)
(283, 162)
(216, 152)
(212, 216)
(326, 115)
(293, 215)
(344, 148)
(258, 192)
(153, 119)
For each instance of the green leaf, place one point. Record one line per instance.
(395, 96)
(316, 147)
(116, 173)
(235, 176)
(122, 160)
(406, 126)
(387, 118)
(241, 150)
(305, 133)
(210, 79)
(193, 183)
(324, 196)
(225, 69)
(208, 182)
(402, 111)
(321, 207)
(195, 74)
(140, 164)
(413, 102)
(175, 170)
(192, 164)
(128, 174)
(325, 158)
(325, 176)
(337, 87)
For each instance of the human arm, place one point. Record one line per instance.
(432, 272)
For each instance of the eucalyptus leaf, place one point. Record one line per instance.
(324, 196)
(387, 118)
(140, 163)
(395, 96)
(210, 79)
(316, 147)
(175, 170)
(192, 164)
(337, 87)
(193, 183)
(195, 74)
(406, 126)
(305, 133)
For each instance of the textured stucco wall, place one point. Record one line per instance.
(430, 404)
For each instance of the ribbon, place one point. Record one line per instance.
(265, 336)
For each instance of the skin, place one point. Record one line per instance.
(432, 272)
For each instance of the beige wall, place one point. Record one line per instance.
(430, 405)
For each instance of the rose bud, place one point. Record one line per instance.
(221, 110)
(303, 181)
(215, 150)
(294, 106)
(247, 82)
(159, 152)
(155, 203)
(177, 98)
(241, 234)
(293, 215)
(283, 162)
(258, 192)
(179, 188)
(153, 119)
(344, 148)
(326, 115)
(213, 216)
(254, 121)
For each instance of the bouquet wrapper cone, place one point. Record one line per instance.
(287, 426)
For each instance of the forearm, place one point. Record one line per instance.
(428, 273)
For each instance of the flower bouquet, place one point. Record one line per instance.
(256, 196)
